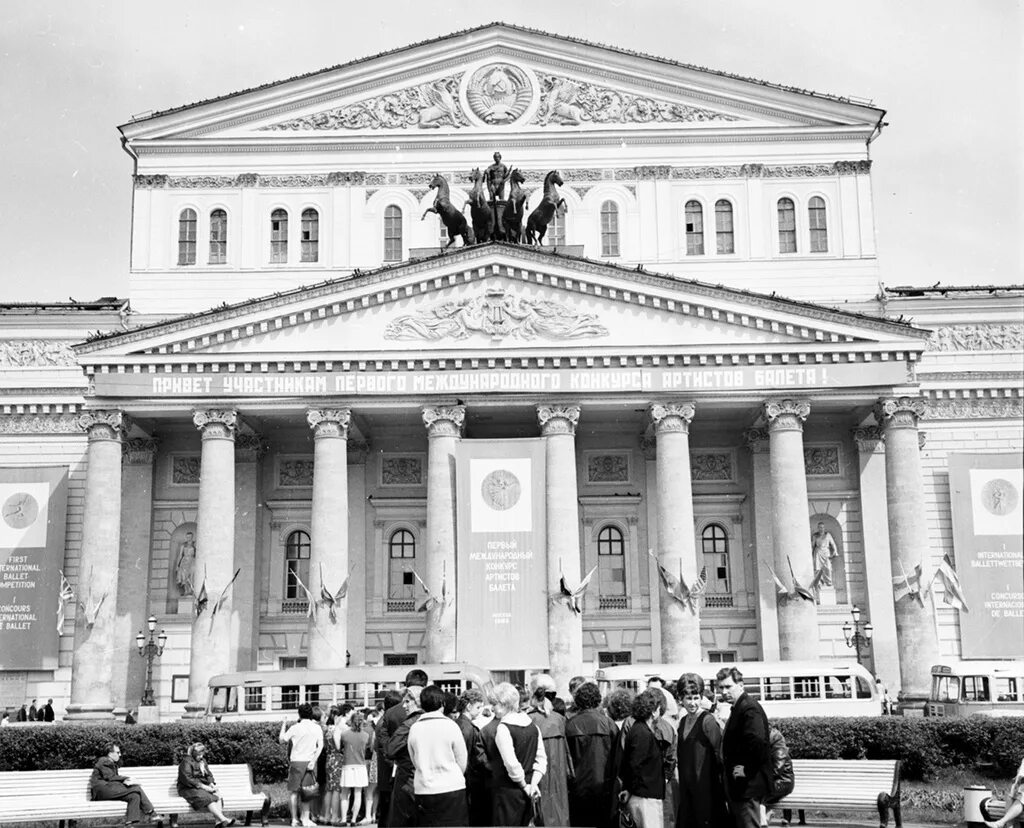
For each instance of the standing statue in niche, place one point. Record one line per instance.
(824, 549)
(186, 560)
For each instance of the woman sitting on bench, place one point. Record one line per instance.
(196, 785)
(1014, 801)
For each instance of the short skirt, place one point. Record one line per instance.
(334, 767)
(354, 776)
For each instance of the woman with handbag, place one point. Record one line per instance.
(307, 740)
(515, 758)
(197, 786)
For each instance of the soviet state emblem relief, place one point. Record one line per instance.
(499, 93)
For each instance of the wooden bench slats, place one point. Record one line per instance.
(845, 785)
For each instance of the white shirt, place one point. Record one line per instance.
(307, 740)
(503, 741)
(438, 752)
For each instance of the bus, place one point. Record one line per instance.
(784, 688)
(277, 694)
(977, 688)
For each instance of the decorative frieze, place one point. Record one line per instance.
(821, 461)
(786, 415)
(249, 180)
(608, 467)
(401, 470)
(294, 472)
(185, 469)
(444, 421)
(671, 417)
(40, 424)
(558, 419)
(25, 353)
(711, 466)
(977, 409)
(980, 337)
(497, 314)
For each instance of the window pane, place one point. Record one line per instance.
(296, 564)
(723, 227)
(218, 237)
(611, 568)
(715, 546)
(310, 236)
(556, 229)
(401, 566)
(392, 234)
(279, 237)
(817, 222)
(187, 237)
(694, 229)
(787, 226)
(609, 229)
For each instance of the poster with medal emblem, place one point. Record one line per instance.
(33, 510)
(501, 589)
(987, 500)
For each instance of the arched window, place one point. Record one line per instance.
(442, 233)
(296, 564)
(609, 229)
(694, 229)
(787, 226)
(218, 237)
(723, 227)
(818, 225)
(611, 568)
(715, 546)
(279, 237)
(392, 233)
(310, 236)
(187, 237)
(401, 563)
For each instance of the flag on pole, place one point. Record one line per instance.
(953, 593)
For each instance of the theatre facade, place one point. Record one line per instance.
(690, 425)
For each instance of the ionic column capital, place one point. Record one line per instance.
(869, 439)
(786, 415)
(329, 422)
(249, 448)
(104, 424)
(900, 412)
(444, 420)
(558, 419)
(216, 423)
(674, 417)
(140, 451)
(756, 440)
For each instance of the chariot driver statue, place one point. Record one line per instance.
(496, 175)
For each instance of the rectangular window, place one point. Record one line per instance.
(787, 226)
(399, 659)
(555, 236)
(722, 657)
(724, 239)
(218, 237)
(818, 225)
(392, 234)
(310, 251)
(279, 237)
(254, 698)
(694, 229)
(187, 237)
(609, 658)
(609, 229)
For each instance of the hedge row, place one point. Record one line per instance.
(924, 745)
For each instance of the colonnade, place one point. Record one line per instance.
(787, 623)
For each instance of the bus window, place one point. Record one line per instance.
(752, 686)
(838, 687)
(224, 700)
(976, 688)
(254, 698)
(946, 688)
(1006, 689)
(777, 688)
(863, 688)
(451, 686)
(285, 697)
(806, 687)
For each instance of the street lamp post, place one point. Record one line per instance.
(858, 635)
(151, 649)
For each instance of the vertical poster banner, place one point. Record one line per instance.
(33, 513)
(986, 493)
(502, 562)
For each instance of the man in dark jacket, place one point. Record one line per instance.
(48, 711)
(745, 751)
(386, 727)
(107, 782)
(477, 774)
(590, 735)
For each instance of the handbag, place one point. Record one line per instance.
(537, 815)
(309, 789)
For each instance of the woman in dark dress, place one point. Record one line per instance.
(702, 802)
(197, 787)
(515, 758)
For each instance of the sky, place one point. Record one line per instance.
(947, 170)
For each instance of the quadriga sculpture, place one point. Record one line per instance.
(454, 221)
(540, 218)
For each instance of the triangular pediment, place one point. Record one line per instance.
(496, 79)
(502, 302)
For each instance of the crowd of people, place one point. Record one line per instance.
(667, 755)
(30, 712)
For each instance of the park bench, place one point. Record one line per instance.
(845, 785)
(993, 809)
(63, 795)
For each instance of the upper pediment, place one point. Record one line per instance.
(501, 78)
(499, 302)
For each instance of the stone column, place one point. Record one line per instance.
(565, 628)
(444, 427)
(215, 558)
(763, 541)
(676, 550)
(360, 556)
(885, 653)
(249, 448)
(328, 555)
(794, 564)
(908, 543)
(129, 669)
(96, 590)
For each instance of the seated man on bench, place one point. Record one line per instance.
(1014, 801)
(107, 782)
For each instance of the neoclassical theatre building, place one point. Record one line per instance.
(314, 433)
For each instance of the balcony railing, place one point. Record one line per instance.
(401, 605)
(613, 602)
(293, 606)
(718, 601)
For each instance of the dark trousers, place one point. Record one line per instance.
(383, 806)
(479, 804)
(402, 809)
(746, 813)
(443, 810)
(138, 802)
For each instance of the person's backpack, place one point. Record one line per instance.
(781, 777)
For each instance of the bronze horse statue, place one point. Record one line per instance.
(454, 221)
(540, 218)
(481, 210)
(515, 209)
